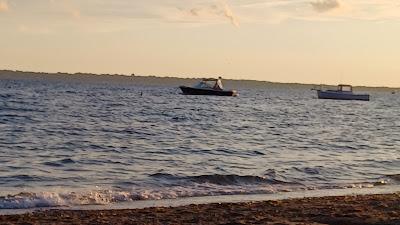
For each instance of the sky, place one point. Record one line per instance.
(302, 41)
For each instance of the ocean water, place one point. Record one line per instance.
(72, 144)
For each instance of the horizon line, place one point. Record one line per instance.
(174, 77)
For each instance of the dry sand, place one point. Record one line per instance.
(347, 210)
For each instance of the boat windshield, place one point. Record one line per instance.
(204, 84)
(210, 84)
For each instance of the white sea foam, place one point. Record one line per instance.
(105, 197)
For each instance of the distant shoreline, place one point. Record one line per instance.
(154, 80)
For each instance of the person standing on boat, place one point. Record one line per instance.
(218, 84)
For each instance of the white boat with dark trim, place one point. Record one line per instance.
(343, 92)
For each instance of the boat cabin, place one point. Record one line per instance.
(345, 88)
(343, 92)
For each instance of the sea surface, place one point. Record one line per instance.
(73, 143)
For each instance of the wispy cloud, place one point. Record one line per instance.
(229, 14)
(205, 13)
(4, 6)
(277, 11)
(325, 5)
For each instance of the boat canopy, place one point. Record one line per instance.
(345, 87)
(210, 79)
(210, 83)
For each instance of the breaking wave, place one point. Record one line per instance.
(179, 187)
(223, 180)
(52, 199)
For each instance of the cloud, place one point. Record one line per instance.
(4, 6)
(229, 14)
(120, 13)
(279, 11)
(217, 12)
(325, 5)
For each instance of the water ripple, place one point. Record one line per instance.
(108, 140)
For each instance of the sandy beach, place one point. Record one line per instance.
(351, 210)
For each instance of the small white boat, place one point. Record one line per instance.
(343, 92)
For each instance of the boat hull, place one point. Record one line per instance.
(342, 96)
(199, 91)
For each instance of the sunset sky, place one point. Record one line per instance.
(305, 41)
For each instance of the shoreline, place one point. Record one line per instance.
(350, 209)
(172, 81)
(202, 200)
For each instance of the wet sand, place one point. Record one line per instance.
(346, 210)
